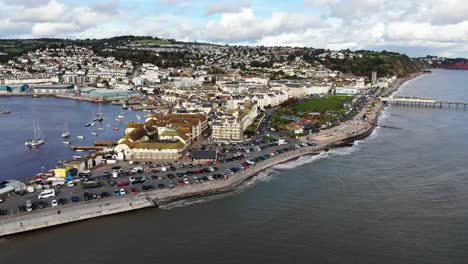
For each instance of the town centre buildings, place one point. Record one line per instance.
(161, 137)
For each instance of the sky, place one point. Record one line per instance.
(414, 27)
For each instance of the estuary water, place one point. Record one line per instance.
(19, 162)
(398, 196)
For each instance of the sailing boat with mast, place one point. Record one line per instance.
(38, 137)
(100, 115)
(66, 132)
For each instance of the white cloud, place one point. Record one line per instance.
(53, 29)
(439, 26)
(244, 26)
(225, 7)
(52, 11)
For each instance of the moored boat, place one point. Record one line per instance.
(66, 132)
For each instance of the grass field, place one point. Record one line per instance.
(323, 104)
(150, 41)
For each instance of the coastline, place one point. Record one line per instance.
(71, 213)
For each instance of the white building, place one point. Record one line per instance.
(349, 91)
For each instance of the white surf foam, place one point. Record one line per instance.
(263, 176)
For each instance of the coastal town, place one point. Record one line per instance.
(205, 127)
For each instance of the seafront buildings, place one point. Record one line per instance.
(161, 137)
(228, 86)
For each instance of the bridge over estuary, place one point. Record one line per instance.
(416, 101)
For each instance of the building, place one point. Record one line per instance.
(204, 155)
(100, 93)
(161, 137)
(230, 126)
(5, 89)
(349, 91)
(374, 77)
(53, 89)
(11, 186)
(226, 128)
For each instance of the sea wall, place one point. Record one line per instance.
(71, 213)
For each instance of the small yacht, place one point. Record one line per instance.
(80, 137)
(66, 132)
(38, 138)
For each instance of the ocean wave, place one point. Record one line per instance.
(263, 176)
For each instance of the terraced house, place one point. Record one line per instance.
(161, 137)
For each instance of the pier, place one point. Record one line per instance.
(422, 102)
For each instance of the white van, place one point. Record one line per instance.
(46, 194)
(29, 207)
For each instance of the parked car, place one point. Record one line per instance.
(75, 199)
(61, 201)
(42, 205)
(122, 192)
(54, 203)
(120, 184)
